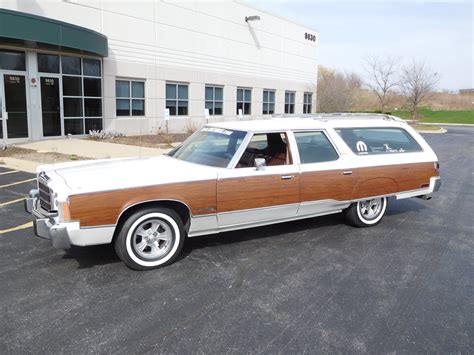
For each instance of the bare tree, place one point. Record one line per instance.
(383, 78)
(336, 91)
(418, 83)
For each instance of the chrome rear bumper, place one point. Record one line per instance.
(437, 185)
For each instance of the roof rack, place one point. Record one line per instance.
(341, 115)
(352, 115)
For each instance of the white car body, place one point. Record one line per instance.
(71, 183)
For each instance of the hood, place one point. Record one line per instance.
(112, 174)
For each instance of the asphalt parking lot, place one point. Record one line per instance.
(317, 285)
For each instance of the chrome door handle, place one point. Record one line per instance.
(347, 172)
(287, 177)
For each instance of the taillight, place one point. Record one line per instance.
(436, 166)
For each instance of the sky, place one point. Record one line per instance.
(439, 33)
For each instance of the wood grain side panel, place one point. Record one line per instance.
(365, 182)
(390, 179)
(104, 208)
(375, 186)
(327, 185)
(235, 194)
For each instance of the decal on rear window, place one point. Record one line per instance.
(367, 141)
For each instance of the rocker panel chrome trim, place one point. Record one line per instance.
(256, 215)
(261, 223)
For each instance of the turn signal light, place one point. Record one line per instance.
(64, 212)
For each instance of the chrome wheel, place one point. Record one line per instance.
(370, 209)
(152, 239)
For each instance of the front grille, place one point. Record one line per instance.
(44, 195)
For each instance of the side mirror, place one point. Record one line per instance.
(260, 164)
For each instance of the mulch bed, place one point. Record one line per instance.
(151, 140)
(32, 155)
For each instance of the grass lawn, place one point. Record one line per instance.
(427, 115)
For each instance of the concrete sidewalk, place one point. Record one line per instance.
(91, 149)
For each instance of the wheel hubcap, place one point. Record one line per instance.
(152, 239)
(370, 209)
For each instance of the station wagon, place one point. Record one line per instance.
(230, 176)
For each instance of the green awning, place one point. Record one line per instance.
(40, 32)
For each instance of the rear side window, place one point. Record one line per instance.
(314, 147)
(365, 141)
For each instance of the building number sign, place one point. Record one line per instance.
(310, 37)
(13, 79)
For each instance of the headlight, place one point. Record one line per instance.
(54, 201)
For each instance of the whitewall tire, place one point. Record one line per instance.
(150, 238)
(366, 213)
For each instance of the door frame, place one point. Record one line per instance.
(342, 168)
(3, 108)
(40, 99)
(283, 174)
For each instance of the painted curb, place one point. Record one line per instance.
(446, 124)
(438, 131)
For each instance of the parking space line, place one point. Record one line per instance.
(23, 226)
(9, 172)
(12, 201)
(17, 183)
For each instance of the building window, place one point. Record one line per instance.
(268, 102)
(71, 65)
(177, 99)
(214, 100)
(130, 97)
(289, 102)
(81, 90)
(48, 63)
(12, 60)
(308, 102)
(244, 100)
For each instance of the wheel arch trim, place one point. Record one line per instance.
(128, 208)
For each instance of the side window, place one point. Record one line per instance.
(273, 147)
(314, 147)
(363, 141)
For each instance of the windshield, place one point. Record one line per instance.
(210, 146)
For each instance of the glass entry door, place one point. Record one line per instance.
(50, 106)
(14, 106)
(2, 111)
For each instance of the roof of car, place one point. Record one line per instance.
(311, 122)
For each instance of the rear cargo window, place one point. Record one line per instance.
(364, 141)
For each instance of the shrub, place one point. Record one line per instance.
(101, 135)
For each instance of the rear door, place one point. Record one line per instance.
(326, 180)
(247, 196)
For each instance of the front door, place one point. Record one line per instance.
(50, 106)
(248, 196)
(14, 106)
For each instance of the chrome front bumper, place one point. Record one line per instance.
(47, 225)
